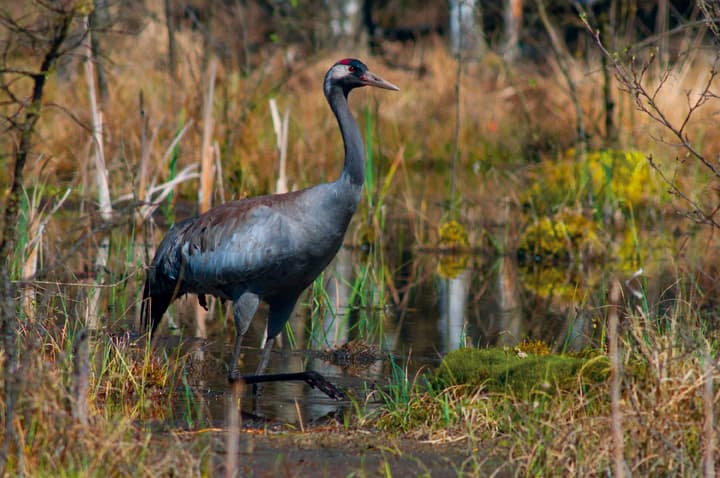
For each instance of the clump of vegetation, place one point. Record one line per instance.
(535, 347)
(452, 265)
(452, 238)
(354, 357)
(519, 372)
(136, 384)
(614, 179)
(452, 235)
(559, 282)
(568, 235)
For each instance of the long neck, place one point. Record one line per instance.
(354, 169)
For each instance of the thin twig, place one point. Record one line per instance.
(233, 423)
(709, 435)
(81, 377)
(615, 378)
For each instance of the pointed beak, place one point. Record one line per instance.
(371, 79)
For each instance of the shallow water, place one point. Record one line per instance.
(413, 315)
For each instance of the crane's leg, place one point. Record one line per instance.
(262, 365)
(280, 310)
(265, 357)
(244, 308)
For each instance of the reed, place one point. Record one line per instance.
(280, 127)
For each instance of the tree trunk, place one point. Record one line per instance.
(8, 304)
(611, 136)
(99, 20)
(346, 19)
(512, 14)
(466, 33)
(169, 24)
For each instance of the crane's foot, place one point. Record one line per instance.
(234, 375)
(312, 378)
(315, 380)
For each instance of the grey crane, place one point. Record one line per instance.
(268, 248)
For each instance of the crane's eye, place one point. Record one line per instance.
(352, 68)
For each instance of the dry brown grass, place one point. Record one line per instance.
(124, 387)
(508, 117)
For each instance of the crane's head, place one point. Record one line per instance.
(351, 73)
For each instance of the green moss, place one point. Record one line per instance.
(505, 370)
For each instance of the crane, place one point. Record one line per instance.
(267, 248)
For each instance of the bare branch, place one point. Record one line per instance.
(630, 78)
(697, 213)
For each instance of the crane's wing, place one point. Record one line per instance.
(233, 247)
(221, 252)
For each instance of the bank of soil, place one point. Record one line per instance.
(333, 452)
